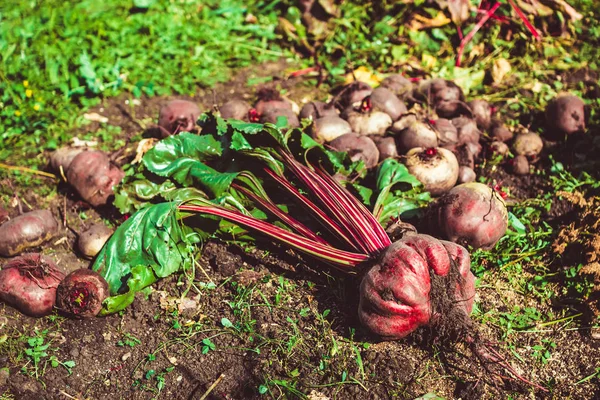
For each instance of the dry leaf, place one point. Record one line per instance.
(421, 22)
(459, 10)
(76, 142)
(95, 117)
(142, 148)
(500, 68)
(363, 74)
(568, 9)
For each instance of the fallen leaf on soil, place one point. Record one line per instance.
(363, 74)
(420, 22)
(95, 117)
(143, 146)
(314, 395)
(459, 10)
(500, 68)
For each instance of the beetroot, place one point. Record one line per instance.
(399, 85)
(365, 120)
(91, 241)
(81, 293)
(500, 132)
(178, 116)
(386, 146)
(63, 157)
(466, 175)
(272, 114)
(269, 99)
(447, 132)
(358, 148)
(565, 115)
(385, 100)
(500, 148)
(3, 215)
(328, 128)
(435, 168)
(93, 176)
(28, 283)
(519, 165)
(353, 94)
(465, 156)
(317, 109)
(470, 214)
(25, 231)
(467, 130)
(396, 293)
(235, 109)
(445, 96)
(528, 144)
(482, 113)
(416, 134)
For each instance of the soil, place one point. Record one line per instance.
(269, 323)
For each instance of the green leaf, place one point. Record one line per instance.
(152, 240)
(391, 172)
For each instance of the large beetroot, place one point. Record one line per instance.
(396, 293)
(93, 176)
(81, 293)
(470, 214)
(29, 282)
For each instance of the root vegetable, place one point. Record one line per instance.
(269, 99)
(565, 115)
(470, 214)
(465, 156)
(500, 148)
(358, 147)
(417, 134)
(398, 294)
(467, 130)
(435, 168)
(399, 85)
(235, 109)
(25, 231)
(92, 240)
(386, 146)
(385, 100)
(528, 144)
(63, 158)
(445, 96)
(466, 175)
(272, 114)
(3, 215)
(482, 113)
(366, 120)
(519, 165)
(28, 283)
(178, 116)
(328, 128)
(447, 132)
(353, 94)
(500, 132)
(317, 109)
(81, 293)
(94, 176)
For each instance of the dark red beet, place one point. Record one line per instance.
(500, 148)
(565, 115)
(93, 176)
(445, 96)
(353, 94)
(269, 99)
(385, 100)
(358, 148)
(467, 130)
(399, 85)
(317, 109)
(519, 165)
(470, 214)
(81, 293)
(272, 114)
(178, 116)
(235, 109)
(466, 175)
(28, 283)
(386, 146)
(500, 132)
(328, 128)
(416, 134)
(447, 132)
(25, 231)
(482, 113)
(395, 293)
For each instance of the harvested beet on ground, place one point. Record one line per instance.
(26, 231)
(29, 282)
(81, 293)
(178, 116)
(94, 177)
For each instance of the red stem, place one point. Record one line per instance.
(473, 31)
(523, 17)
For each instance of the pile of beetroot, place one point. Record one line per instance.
(415, 281)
